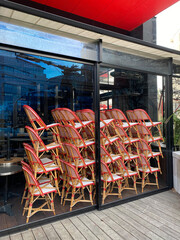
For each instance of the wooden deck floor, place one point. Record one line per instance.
(154, 217)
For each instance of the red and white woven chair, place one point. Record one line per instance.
(39, 169)
(120, 118)
(73, 136)
(146, 134)
(89, 114)
(39, 125)
(110, 182)
(143, 118)
(108, 157)
(127, 157)
(146, 169)
(69, 117)
(81, 164)
(127, 174)
(77, 184)
(41, 180)
(37, 192)
(40, 148)
(145, 149)
(129, 142)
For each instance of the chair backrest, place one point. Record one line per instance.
(69, 115)
(119, 116)
(122, 149)
(143, 163)
(142, 115)
(73, 174)
(73, 153)
(24, 164)
(104, 138)
(80, 115)
(54, 115)
(144, 131)
(121, 133)
(144, 147)
(103, 115)
(74, 137)
(31, 180)
(120, 165)
(105, 171)
(35, 139)
(88, 114)
(131, 116)
(34, 118)
(33, 158)
(109, 114)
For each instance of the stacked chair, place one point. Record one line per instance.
(66, 162)
(42, 167)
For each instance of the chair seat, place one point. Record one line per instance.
(85, 182)
(105, 122)
(130, 172)
(115, 178)
(50, 146)
(132, 140)
(115, 157)
(48, 168)
(46, 161)
(133, 124)
(89, 162)
(113, 139)
(149, 124)
(148, 170)
(46, 188)
(48, 126)
(43, 180)
(132, 156)
(87, 122)
(87, 142)
(154, 154)
(154, 139)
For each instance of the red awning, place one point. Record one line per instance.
(124, 14)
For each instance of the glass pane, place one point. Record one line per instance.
(42, 41)
(45, 84)
(132, 105)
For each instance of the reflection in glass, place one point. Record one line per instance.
(43, 84)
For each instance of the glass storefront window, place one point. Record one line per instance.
(43, 83)
(120, 91)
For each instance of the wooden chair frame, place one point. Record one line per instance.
(146, 169)
(37, 192)
(78, 185)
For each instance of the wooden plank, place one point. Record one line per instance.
(83, 228)
(115, 216)
(148, 221)
(168, 210)
(163, 219)
(5, 238)
(137, 222)
(61, 231)
(108, 230)
(50, 232)
(28, 235)
(112, 224)
(73, 231)
(39, 233)
(16, 236)
(93, 227)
